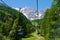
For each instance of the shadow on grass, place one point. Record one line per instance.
(27, 36)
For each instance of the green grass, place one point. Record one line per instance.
(57, 38)
(34, 36)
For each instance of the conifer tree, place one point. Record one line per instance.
(50, 22)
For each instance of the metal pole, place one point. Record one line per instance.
(38, 31)
(19, 9)
(37, 7)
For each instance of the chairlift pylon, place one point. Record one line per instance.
(38, 31)
(37, 7)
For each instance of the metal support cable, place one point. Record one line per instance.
(3, 3)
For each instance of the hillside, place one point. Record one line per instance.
(36, 22)
(12, 22)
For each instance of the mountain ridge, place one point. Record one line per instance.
(31, 13)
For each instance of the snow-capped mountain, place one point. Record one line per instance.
(31, 13)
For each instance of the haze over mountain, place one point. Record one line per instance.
(31, 13)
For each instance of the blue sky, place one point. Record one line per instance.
(43, 4)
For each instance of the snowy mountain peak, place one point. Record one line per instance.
(31, 13)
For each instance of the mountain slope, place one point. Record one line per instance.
(12, 22)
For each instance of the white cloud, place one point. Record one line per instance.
(17, 8)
